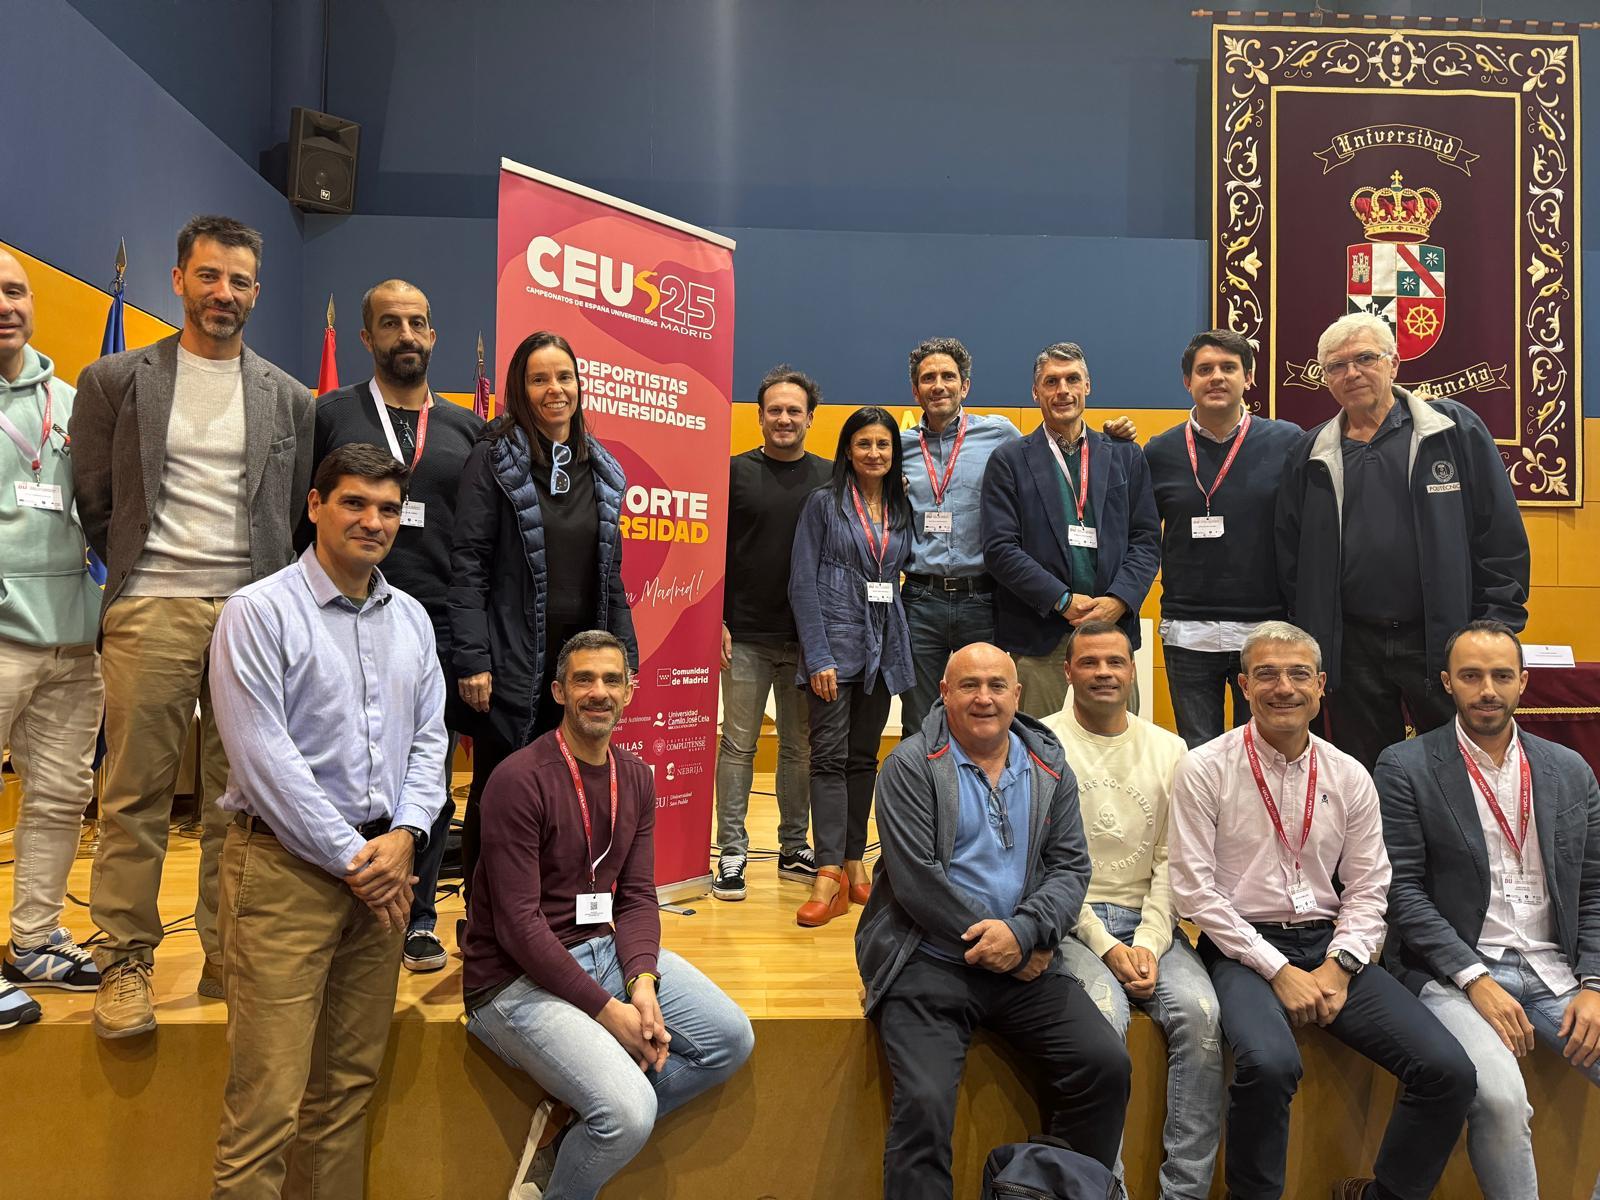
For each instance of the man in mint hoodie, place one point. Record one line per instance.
(50, 692)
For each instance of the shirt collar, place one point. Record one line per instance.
(1269, 753)
(1016, 759)
(325, 592)
(1479, 756)
(950, 426)
(1202, 431)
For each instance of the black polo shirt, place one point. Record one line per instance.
(1382, 579)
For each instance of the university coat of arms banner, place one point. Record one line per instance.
(1429, 178)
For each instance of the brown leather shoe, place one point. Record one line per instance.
(815, 913)
(122, 1006)
(1351, 1189)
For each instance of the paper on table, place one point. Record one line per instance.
(1547, 656)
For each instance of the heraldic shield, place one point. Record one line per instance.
(1404, 285)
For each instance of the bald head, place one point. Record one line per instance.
(398, 330)
(980, 695)
(16, 315)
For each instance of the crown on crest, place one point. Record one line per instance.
(1395, 213)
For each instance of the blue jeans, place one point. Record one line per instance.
(1197, 680)
(1185, 1007)
(940, 623)
(1499, 1138)
(424, 909)
(755, 670)
(572, 1057)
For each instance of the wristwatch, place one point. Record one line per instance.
(418, 838)
(1348, 962)
(1591, 984)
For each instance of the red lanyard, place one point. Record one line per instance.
(1082, 498)
(1194, 461)
(1524, 799)
(583, 804)
(35, 456)
(940, 486)
(1272, 807)
(388, 426)
(879, 552)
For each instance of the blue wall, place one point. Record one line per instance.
(1010, 172)
(96, 151)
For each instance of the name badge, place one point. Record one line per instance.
(594, 908)
(938, 522)
(413, 513)
(1201, 528)
(880, 593)
(1300, 896)
(46, 496)
(1086, 536)
(1524, 887)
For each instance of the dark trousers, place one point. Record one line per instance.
(424, 906)
(1383, 680)
(844, 766)
(489, 750)
(1198, 680)
(940, 623)
(926, 1022)
(1380, 1020)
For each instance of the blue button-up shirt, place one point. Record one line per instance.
(980, 864)
(332, 713)
(959, 552)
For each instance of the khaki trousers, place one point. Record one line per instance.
(310, 976)
(155, 653)
(49, 714)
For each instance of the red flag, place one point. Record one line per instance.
(328, 371)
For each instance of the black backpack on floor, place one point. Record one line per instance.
(1044, 1168)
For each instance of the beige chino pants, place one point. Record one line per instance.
(155, 654)
(310, 975)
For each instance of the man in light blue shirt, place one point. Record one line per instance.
(330, 703)
(948, 596)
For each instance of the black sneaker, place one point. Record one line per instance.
(801, 866)
(729, 883)
(424, 952)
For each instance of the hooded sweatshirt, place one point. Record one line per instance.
(47, 597)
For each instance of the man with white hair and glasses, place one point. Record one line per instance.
(1396, 526)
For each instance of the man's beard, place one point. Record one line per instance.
(406, 372)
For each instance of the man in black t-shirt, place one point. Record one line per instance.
(760, 649)
(397, 409)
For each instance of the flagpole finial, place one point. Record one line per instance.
(480, 349)
(330, 310)
(122, 258)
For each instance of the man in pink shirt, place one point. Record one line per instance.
(1263, 818)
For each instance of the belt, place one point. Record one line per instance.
(1310, 926)
(1383, 623)
(252, 824)
(952, 583)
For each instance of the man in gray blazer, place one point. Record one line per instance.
(1494, 837)
(192, 461)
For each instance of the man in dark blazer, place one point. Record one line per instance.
(1494, 837)
(1070, 531)
(192, 460)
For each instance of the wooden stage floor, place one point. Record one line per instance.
(752, 949)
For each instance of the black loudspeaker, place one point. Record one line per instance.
(321, 175)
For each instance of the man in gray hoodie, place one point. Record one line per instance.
(984, 871)
(50, 689)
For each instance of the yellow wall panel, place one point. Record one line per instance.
(69, 316)
(1565, 616)
(1544, 534)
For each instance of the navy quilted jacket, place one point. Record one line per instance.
(498, 585)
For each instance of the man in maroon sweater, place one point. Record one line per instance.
(565, 976)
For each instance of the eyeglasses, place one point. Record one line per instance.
(560, 481)
(1364, 361)
(999, 818)
(1270, 675)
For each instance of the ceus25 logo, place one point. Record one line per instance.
(588, 275)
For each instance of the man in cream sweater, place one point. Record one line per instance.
(1125, 950)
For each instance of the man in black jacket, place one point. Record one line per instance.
(1396, 526)
(397, 409)
(1494, 840)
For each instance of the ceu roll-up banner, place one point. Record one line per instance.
(647, 303)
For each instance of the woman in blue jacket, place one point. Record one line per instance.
(536, 557)
(853, 539)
